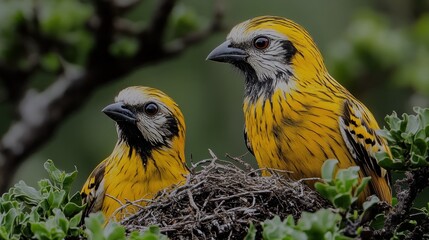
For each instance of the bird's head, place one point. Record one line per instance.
(146, 119)
(272, 52)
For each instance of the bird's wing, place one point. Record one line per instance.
(358, 128)
(246, 140)
(93, 190)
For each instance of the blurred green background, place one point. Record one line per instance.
(378, 49)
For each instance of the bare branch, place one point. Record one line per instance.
(104, 32)
(15, 81)
(158, 23)
(415, 181)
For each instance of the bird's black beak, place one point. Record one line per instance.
(226, 53)
(120, 113)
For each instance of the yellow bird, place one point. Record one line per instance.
(296, 114)
(148, 156)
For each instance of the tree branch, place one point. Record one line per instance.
(15, 81)
(151, 38)
(415, 181)
(215, 26)
(104, 33)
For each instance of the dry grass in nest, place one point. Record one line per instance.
(221, 200)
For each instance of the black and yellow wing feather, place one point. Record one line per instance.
(93, 191)
(358, 129)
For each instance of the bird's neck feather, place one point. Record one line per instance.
(152, 158)
(163, 168)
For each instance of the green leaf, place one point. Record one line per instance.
(328, 169)
(60, 220)
(71, 209)
(370, 202)
(317, 224)
(94, 226)
(343, 190)
(8, 220)
(124, 47)
(343, 201)
(156, 232)
(75, 220)
(26, 193)
(40, 230)
(364, 182)
(55, 174)
(34, 216)
(114, 231)
(76, 198)
(276, 229)
(386, 162)
(55, 198)
(183, 21)
(251, 233)
(68, 180)
(152, 233)
(328, 192)
(50, 62)
(378, 221)
(347, 178)
(4, 233)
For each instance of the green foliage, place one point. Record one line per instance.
(48, 212)
(373, 47)
(408, 138)
(113, 231)
(344, 189)
(51, 213)
(183, 21)
(323, 224)
(124, 47)
(251, 233)
(44, 32)
(60, 25)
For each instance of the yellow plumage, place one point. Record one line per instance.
(297, 115)
(148, 157)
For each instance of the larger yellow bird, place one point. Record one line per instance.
(148, 156)
(296, 114)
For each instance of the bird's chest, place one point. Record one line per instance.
(125, 180)
(132, 179)
(293, 134)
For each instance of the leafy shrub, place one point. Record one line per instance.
(51, 212)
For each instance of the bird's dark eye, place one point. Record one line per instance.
(151, 108)
(261, 42)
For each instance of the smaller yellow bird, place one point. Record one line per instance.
(148, 156)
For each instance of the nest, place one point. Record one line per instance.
(221, 201)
